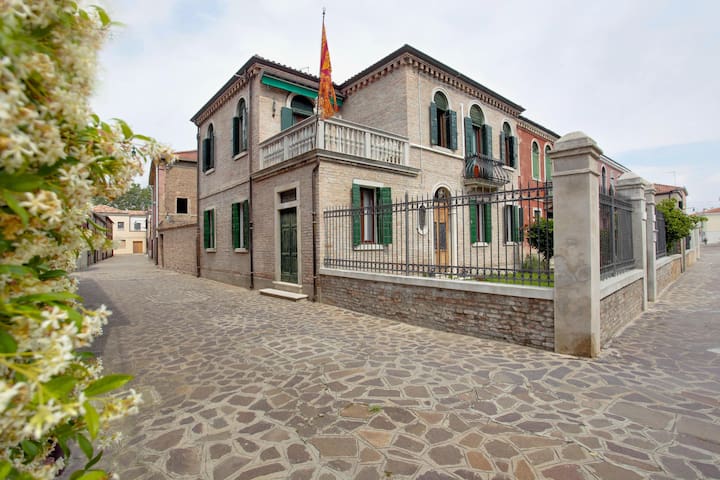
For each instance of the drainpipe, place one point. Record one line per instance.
(314, 227)
(250, 188)
(197, 203)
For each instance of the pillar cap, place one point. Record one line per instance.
(574, 141)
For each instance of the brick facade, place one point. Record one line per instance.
(668, 272)
(521, 320)
(177, 248)
(620, 308)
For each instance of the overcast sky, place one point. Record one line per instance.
(640, 77)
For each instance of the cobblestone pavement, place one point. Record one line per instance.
(241, 386)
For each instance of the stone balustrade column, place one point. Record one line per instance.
(576, 214)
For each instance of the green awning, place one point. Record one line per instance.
(291, 87)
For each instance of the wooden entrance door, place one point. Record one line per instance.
(288, 246)
(137, 247)
(441, 227)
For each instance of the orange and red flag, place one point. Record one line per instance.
(327, 103)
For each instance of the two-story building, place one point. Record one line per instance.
(172, 219)
(408, 126)
(129, 229)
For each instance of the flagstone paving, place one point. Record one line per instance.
(242, 386)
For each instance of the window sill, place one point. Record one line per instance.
(240, 250)
(210, 250)
(508, 167)
(368, 246)
(209, 171)
(240, 155)
(480, 244)
(511, 244)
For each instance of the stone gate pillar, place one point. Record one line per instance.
(632, 187)
(651, 243)
(577, 245)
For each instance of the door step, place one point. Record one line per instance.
(273, 292)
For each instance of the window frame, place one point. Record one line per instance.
(121, 226)
(535, 160)
(376, 207)
(240, 226)
(209, 239)
(548, 163)
(208, 153)
(177, 205)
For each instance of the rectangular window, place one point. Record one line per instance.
(181, 205)
(209, 229)
(480, 222)
(288, 196)
(123, 243)
(240, 225)
(137, 226)
(121, 225)
(372, 215)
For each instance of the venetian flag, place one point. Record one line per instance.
(327, 103)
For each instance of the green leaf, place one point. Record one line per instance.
(92, 462)
(15, 270)
(104, 18)
(127, 131)
(85, 445)
(15, 206)
(94, 475)
(21, 182)
(7, 343)
(5, 469)
(60, 387)
(144, 138)
(77, 474)
(48, 297)
(106, 384)
(91, 419)
(52, 274)
(30, 448)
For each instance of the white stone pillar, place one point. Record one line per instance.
(631, 186)
(651, 244)
(577, 245)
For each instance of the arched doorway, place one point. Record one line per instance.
(441, 228)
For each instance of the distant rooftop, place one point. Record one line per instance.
(108, 210)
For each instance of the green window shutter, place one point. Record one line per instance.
(502, 147)
(514, 151)
(206, 154)
(212, 228)
(236, 135)
(244, 130)
(246, 224)
(452, 130)
(286, 118)
(473, 220)
(211, 149)
(548, 167)
(487, 140)
(487, 220)
(206, 229)
(535, 163)
(434, 130)
(384, 200)
(355, 205)
(470, 148)
(235, 225)
(517, 234)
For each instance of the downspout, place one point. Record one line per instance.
(313, 187)
(156, 210)
(197, 204)
(250, 188)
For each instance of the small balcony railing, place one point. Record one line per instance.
(481, 170)
(338, 136)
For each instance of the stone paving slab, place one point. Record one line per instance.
(242, 386)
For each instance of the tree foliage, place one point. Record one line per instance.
(55, 156)
(678, 224)
(540, 236)
(136, 198)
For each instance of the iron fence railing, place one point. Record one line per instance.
(616, 240)
(493, 236)
(660, 232)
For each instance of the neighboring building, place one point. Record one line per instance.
(679, 194)
(172, 222)
(610, 171)
(710, 230)
(406, 125)
(129, 228)
(99, 223)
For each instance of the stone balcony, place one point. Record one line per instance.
(482, 171)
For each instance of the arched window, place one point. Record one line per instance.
(603, 180)
(548, 164)
(508, 146)
(443, 123)
(240, 128)
(478, 135)
(535, 161)
(208, 153)
(300, 108)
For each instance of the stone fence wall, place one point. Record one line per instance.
(622, 301)
(177, 249)
(517, 314)
(669, 269)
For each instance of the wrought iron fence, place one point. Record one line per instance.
(660, 232)
(501, 236)
(616, 240)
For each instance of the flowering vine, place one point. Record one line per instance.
(55, 156)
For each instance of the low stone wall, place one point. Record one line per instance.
(690, 257)
(621, 306)
(669, 269)
(177, 250)
(524, 317)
